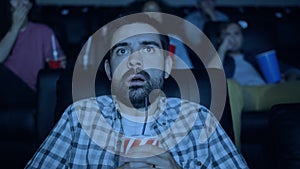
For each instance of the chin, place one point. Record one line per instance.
(138, 96)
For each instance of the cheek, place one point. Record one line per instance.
(118, 68)
(155, 60)
(155, 63)
(115, 62)
(240, 40)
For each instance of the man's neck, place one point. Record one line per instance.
(135, 114)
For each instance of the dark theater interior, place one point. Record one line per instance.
(262, 121)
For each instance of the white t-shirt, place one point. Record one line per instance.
(134, 128)
(245, 73)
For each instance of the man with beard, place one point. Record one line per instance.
(137, 127)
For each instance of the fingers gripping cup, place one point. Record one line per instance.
(268, 64)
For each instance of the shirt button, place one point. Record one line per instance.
(198, 163)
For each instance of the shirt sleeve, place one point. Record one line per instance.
(54, 151)
(221, 149)
(207, 145)
(220, 16)
(49, 43)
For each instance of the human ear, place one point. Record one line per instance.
(168, 66)
(107, 69)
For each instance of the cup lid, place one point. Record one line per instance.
(266, 53)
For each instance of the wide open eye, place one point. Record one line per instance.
(148, 49)
(122, 52)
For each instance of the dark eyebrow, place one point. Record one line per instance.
(145, 43)
(151, 43)
(118, 45)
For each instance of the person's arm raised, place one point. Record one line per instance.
(224, 47)
(19, 17)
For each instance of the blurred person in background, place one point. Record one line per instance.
(237, 65)
(205, 12)
(232, 57)
(25, 48)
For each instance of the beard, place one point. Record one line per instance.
(137, 96)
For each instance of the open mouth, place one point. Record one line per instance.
(136, 80)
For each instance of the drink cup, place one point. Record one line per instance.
(172, 49)
(56, 59)
(55, 64)
(268, 64)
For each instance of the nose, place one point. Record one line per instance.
(135, 60)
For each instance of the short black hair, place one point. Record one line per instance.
(224, 25)
(140, 18)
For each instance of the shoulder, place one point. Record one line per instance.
(89, 108)
(187, 109)
(99, 102)
(193, 16)
(221, 16)
(80, 107)
(173, 102)
(40, 27)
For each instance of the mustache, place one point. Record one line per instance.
(141, 72)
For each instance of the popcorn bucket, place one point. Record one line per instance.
(128, 143)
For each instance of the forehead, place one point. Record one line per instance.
(134, 30)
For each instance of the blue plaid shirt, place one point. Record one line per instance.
(89, 132)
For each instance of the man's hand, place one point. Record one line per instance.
(149, 156)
